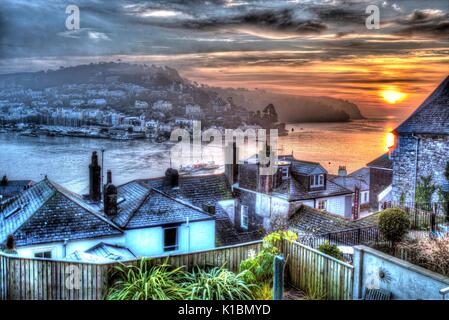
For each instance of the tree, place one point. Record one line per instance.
(394, 224)
(444, 193)
(424, 191)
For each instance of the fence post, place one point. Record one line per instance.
(278, 281)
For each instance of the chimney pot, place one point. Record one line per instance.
(94, 178)
(342, 171)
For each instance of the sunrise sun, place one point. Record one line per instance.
(392, 96)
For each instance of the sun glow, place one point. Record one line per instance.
(392, 96)
(389, 140)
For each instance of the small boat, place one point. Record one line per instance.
(28, 133)
(199, 167)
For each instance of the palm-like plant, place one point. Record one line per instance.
(218, 284)
(147, 282)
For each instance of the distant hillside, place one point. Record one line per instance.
(292, 108)
(94, 73)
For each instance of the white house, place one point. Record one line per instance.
(264, 199)
(134, 219)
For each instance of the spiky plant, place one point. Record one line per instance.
(217, 284)
(147, 282)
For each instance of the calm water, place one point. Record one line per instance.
(65, 160)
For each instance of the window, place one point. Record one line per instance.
(43, 254)
(171, 239)
(365, 197)
(244, 217)
(317, 180)
(322, 204)
(284, 173)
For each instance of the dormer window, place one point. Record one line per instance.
(317, 181)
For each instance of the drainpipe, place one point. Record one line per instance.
(64, 248)
(415, 180)
(188, 234)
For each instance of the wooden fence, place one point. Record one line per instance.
(316, 273)
(43, 279)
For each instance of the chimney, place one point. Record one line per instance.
(231, 162)
(209, 208)
(110, 197)
(342, 171)
(94, 178)
(172, 178)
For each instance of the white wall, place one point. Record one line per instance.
(405, 281)
(335, 205)
(57, 248)
(150, 241)
(142, 242)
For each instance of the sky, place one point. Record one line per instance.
(319, 48)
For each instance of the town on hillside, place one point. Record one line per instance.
(389, 207)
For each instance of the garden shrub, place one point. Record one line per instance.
(147, 282)
(432, 254)
(263, 292)
(260, 267)
(331, 250)
(217, 284)
(393, 224)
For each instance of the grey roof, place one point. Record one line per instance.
(293, 190)
(383, 162)
(47, 212)
(130, 197)
(202, 189)
(432, 117)
(307, 220)
(359, 178)
(159, 208)
(303, 167)
(197, 190)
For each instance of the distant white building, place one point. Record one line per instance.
(97, 102)
(163, 105)
(139, 104)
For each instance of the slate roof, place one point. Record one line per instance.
(14, 187)
(226, 234)
(130, 197)
(160, 208)
(47, 212)
(307, 220)
(197, 190)
(359, 178)
(303, 167)
(383, 162)
(432, 117)
(293, 190)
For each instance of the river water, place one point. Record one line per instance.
(65, 160)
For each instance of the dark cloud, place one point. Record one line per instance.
(429, 22)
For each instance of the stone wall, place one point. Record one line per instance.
(433, 154)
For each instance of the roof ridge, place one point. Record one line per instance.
(182, 202)
(148, 193)
(435, 94)
(76, 198)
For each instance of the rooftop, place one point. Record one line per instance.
(383, 162)
(432, 117)
(307, 220)
(293, 190)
